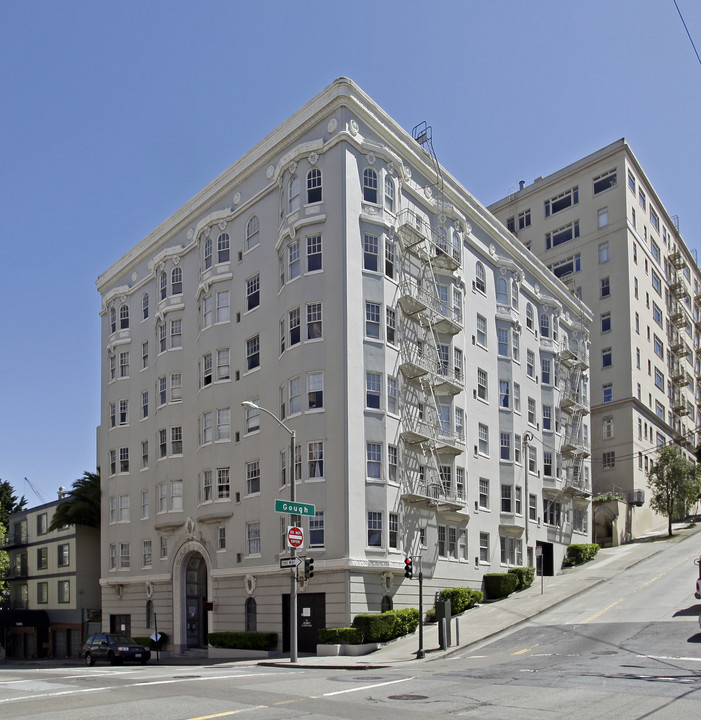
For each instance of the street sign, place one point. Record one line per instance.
(295, 537)
(291, 562)
(294, 508)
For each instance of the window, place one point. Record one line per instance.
(547, 417)
(641, 198)
(562, 235)
(546, 371)
(506, 498)
(293, 194)
(604, 253)
(604, 182)
(562, 201)
(607, 393)
(253, 538)
(42, 593)
(389, 194)
(372, 320)
(547, 463)
(391, 326)
(503, 342)
(295, 395)
(144, 306)
(163, 286)
(370, 252)
(252, 477)
(607, 428)
(64, 591)
(374, 460)
(605, 322)
(531, 411)
(502, 291)
(373, 388)
(223, 424)
(393, 462)
(390, 259)
(162, 443)
(176, 440)
(144, 505)
(659, 379)
(655, 248)
(176, 281)
(483, 439)
(64, 559)
(656, 283)
(392, 395)
(315, 390)
(505, 446)
(604, 287)
(314, 253)
(176, 387)
(206, 491)
(545, 325)
(146, 553)
(515, 346)
(124, 364)
(370, 185)
(252, 232)
(608, 460)
(481, 331)
(123, 460)
(253, 292)
(602, 218)
(532, 460)
(504, 393)
(223, 306)
(484, 493)
(124, 317)
(252, 353)
(293, 260)
(316, 529)
(517, 398)
(42, 558)
(659, 347)
(654, 219)
(207, 254)
(144, 354)
(206, 309)
(441, 540)
(223, 364)
(223, 484)
(572, 264)
(481, 384)
(314, 321)
(606, 357)
(314, 186)
(294, 322)
(524, 219)
(252, 419)
(529, 317)
(530, 363)
(374, 529)
(480, 278)
(484, 547)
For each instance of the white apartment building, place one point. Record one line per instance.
(434, 374)
(599, 225)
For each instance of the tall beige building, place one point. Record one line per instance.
(599, 225)
(433, 373)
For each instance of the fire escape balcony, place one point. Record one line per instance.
(412, 297)
(446, 381)
(678, 316)
(572, 403)
(677, 288)
(575, 447)
(570, 359)
(443, 256)
(680, 408)
(430, 490)
(415, 363)
(448, 441)
(680, 348)
(676, 259)
(412, 234)
(679, 376)
(575, 483)
(442, 318)
(416, 430)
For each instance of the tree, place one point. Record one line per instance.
(9, 503)
(81, 505)
(673, 482)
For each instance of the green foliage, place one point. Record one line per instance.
(243, 640)
(430, 615)
(525, 575)
(81, 505)
(577, 554)
(344, 635)
(674, 483)
(378, 628)
(606, 497)
(9, 503)
(4, 570)
(408, 620)
(461, 599)
(499, 585)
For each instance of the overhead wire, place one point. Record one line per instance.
(681, 17)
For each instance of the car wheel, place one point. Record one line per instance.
(89, 659)
(111, 658)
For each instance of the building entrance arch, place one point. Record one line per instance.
(191, 589)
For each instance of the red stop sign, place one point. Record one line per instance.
(295, 537)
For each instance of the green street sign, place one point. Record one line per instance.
(294, 508)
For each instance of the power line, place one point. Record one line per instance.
(687, 31)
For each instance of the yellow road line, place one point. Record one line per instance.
(525, 650)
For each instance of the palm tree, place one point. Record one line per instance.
(81, 505)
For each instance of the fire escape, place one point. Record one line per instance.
(574, 406)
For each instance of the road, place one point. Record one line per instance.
(628, 648)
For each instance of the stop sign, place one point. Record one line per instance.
(295, 537)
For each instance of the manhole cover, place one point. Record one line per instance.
(408, 697)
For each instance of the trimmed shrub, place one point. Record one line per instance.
(430, 615)
(407, 620)
(345, 635)
(525, 575)
(243, 640)
(499, 585)
(461, 599)
(577, 554)
(377, 628)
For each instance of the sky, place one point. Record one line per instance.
(114, 114)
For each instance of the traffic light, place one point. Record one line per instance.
(308, 568)
(408, 568)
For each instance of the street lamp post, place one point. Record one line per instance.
(293, 551)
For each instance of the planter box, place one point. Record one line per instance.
(348, 650)
(214, 653)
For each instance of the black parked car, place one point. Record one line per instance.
(114, 647)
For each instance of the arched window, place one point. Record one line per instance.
(251, 615)
(223, 248)
(480, 277)
(252, 232)
(314, 185)
(514, 294)
(124, 317)
(176, 281)
(457, 246)
(529, 316)
(386, 604)
(370, 185)
(149, 614)
(144, 306)
(544, 325)
(389, 194)
(442, 239)
(207, 254)
(502, 291)
(164, 285)
(293, 195)
(113, 320)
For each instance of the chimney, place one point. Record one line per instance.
(521, 184)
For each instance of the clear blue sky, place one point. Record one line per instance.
(114, 114)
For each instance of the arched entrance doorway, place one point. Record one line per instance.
(195, 583)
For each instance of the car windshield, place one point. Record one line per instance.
(122, 640)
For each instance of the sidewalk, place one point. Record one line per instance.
(489, 619)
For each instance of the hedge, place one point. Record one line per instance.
(408, 620)
(243, 640)
(378, 628)
(525, 575)
(461, 599)
(499, 585)
(344, 635)
(577, 554)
